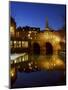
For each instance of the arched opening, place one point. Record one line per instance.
(36, 49)
(49, 48)
(63, 46)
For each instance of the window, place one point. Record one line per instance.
(12, 30)
(24, 44)
(14, 44)
(19, 43)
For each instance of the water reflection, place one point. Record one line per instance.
(51, 63)
(36, 63)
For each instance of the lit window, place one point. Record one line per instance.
(28, 35)
(24, 44)
(23, 59)
(12, 30)
(15, 61)
(14, 41)
(14, 44)
(19, 43)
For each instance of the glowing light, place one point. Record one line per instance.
(29, 64)
(25, 44)
(22, 42)
(59, 62)
(53, 63)
(30, 32)
(57, 39)
(12, 72)
(19, 43)
(28, 35)
(23, 59)
(15, 61)
(12, 28)
(45, 65)
(14, 42)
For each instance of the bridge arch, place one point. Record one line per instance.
(45, 41)
(48, 48)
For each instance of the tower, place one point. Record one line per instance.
(47, 25)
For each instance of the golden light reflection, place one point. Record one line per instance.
(15, 61)
(12, 72)
(53, 63)
(23, 59)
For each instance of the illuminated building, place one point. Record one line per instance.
(12, 27)
(25, 39)
(20, 37)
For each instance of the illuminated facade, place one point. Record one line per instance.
(12, 27)
(27, 38)
(20, 37)
(49, 41)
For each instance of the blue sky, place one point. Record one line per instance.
(34, 14)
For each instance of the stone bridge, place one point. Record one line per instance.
(46, 43)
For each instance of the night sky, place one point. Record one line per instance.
(34, 14)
